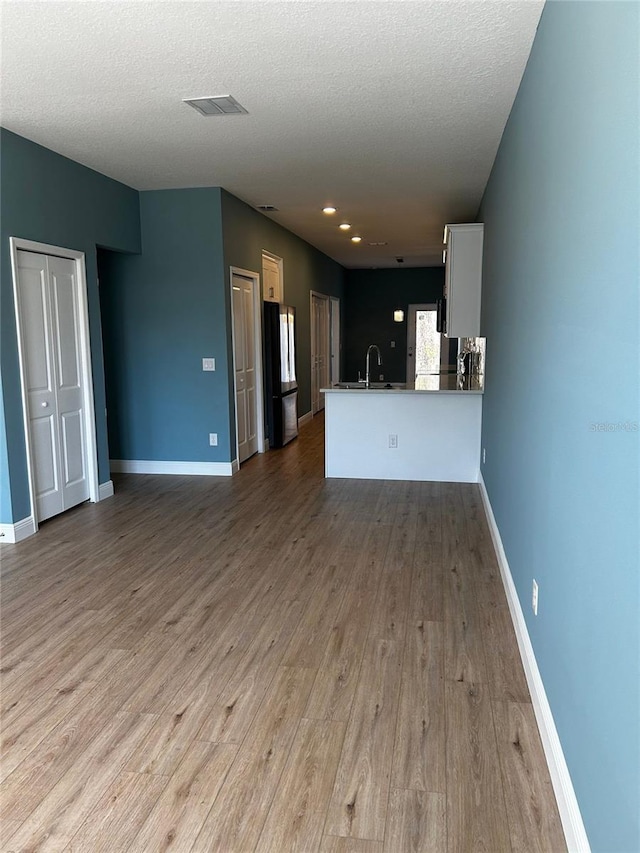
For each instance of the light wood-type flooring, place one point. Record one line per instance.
(271, 662)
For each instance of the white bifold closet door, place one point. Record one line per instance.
(51, 329)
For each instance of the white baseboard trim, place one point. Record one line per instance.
(572, 824)
(235, 466)
(105, 490)
(305, 419)
(148, 466)
(12, 533)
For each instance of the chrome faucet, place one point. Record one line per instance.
(367, 381)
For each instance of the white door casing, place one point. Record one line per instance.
(55, 371)
(247, 362)
(320, 348)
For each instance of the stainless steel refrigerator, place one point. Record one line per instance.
(281, 385)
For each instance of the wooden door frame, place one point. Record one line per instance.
(257, 339)
(17, 244)
(312, 338)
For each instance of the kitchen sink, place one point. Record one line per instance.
(360, 386)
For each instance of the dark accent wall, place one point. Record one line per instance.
(561, 406)
(53, 200)
(370, 299)
(163, 311)
(246, 234)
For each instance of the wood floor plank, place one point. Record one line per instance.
(297, 813)
(534, 821)
(476, 813)
(337, 844)
(388, 619)
(505, 673)
(119, 814)
(419, 755)
(417, 822)
(168, 740)
(65, 807)
(231, 717)
(464, 649)
(335, 684)
(23, 789)
(7, 829)
(359, 802)
(178, 815)
(235, 821)
(309, 641)
(427, 582)
(22, 734)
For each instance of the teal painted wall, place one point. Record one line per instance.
(560, 312)
(50, 199)
(246, 234)
(163, 312)
(370, 299)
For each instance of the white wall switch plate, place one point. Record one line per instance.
(213, 439)
(393, 344)
(208, 364)
(534, 599)
(393, 441)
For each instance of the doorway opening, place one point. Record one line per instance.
(246, 324)
(320, 348)
(427, 349)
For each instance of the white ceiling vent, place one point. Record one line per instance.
(216, 105)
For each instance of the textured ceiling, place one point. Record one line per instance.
(392, 111)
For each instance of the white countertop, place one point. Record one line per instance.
(436, 383)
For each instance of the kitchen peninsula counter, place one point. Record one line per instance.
(442, 383)
(396, 432)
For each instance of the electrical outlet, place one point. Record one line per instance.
(393, 344)
(213, 439)
(208, 364)
(534, 598)
(393, 441)
(484, 455)
(381, 377)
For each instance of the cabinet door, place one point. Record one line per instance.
(463, 279)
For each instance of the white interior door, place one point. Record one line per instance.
(320, 349)
(335, 340)
(245, 365)
(50, 321)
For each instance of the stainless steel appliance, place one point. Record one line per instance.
(281, 386)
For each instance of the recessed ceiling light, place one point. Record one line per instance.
(344, 226)
(329, 209)
(356, 239)
(216, 105)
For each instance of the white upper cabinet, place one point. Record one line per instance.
(463, 279)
